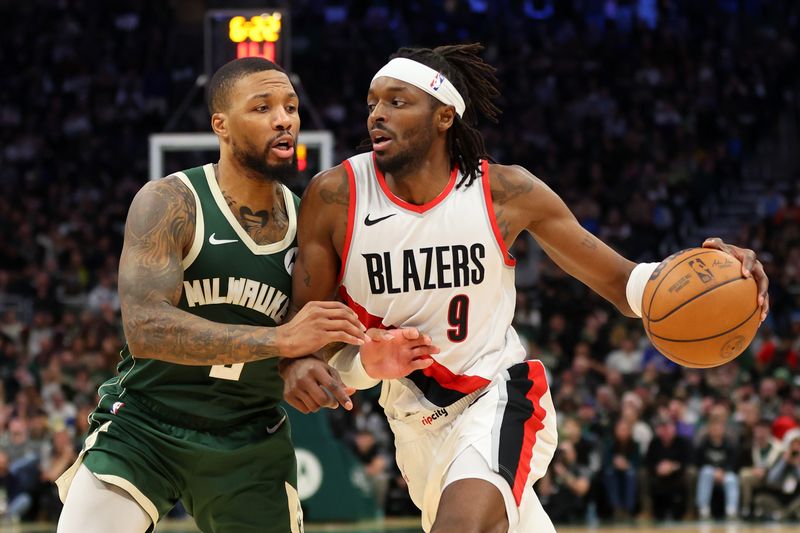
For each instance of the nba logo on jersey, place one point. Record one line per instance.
(116, 407)
(437, 81)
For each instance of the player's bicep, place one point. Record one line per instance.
(317, 264)
(160, 223)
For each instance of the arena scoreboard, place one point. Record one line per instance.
(233, 33)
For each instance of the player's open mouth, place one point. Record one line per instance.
(283, 147)
(379, 141)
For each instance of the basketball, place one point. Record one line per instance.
(698, 310)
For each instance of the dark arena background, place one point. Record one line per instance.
(660, 123)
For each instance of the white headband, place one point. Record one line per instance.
(421, 76)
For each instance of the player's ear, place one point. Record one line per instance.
(219, 124)
(445, 116)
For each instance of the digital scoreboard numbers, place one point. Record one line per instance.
(235, 33)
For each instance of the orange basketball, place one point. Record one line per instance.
(698, 310)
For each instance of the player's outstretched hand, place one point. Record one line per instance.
(310, 384)
(395, 353)
(751, 267)
(316, 325)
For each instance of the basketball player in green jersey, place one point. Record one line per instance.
(204, 283)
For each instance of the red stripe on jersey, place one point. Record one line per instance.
(351, 218)
(487, 195)
(532, 426)
(448, 380)
(370, 321)
(411, 207)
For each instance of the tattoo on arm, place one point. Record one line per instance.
(589, 242)
(339, 196)
(160, 226)
(506, 189)
(502, 223)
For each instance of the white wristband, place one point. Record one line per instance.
(634, 290)
(347, 362)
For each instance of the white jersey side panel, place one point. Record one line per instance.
(442, 268)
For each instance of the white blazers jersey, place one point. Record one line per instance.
(443, 268)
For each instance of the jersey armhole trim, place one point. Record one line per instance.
(351, 219)
(199, 225)
(498, 236)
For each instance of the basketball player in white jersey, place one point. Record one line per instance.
(416, 234)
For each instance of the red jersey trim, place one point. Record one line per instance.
(532, 426)
(411, 207)
(351, 218)
(461, 383)
(369, 321)
(498, 236)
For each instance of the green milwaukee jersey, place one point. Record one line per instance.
(227, 278)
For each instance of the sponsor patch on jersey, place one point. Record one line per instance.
(434, 416)
(116, 407)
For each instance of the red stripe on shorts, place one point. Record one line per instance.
(532, 426)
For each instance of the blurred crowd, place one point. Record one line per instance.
(639, 113)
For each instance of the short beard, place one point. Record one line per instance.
(411, 159)
(281, 172)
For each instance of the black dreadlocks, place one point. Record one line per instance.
(476, 81)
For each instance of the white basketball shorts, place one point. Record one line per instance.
(505, 434)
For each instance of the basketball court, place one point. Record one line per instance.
(409, 526)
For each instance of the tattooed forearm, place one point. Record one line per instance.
(164, 332)
(161, 224)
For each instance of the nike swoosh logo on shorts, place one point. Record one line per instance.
(369, 222)
(213, 240)
(277, 426)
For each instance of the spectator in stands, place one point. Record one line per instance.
(60, 456)
(620, 470)
(375, 463)
(781, 499)
(716, 464)
(627, 359)
(757, 458)
(564, 488)
(666, 461)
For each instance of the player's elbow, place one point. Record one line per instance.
(143, 331)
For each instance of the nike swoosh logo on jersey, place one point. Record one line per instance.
(277, 426)
(213, 240)
(369, 222)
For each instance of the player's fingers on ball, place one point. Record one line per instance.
(761, 279)
(765, 308)
(748, 259)
(713, 242)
